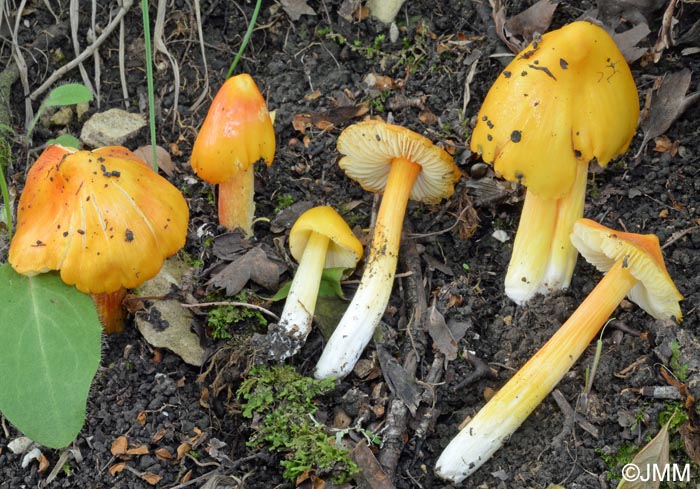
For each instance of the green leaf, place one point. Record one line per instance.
(329, 287)
(65, 140)
(50, 347)
(68, 94)
(330, 283)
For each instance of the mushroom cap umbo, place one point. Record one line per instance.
(103, 218)
(344, 249)
(369, 147)
(236, 133)
(601, 246)
(566, 98)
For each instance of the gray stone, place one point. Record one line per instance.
(111, 128)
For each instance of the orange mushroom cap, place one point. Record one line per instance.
(566, 98)
(236, 133)
(103, 218)
(601, 246)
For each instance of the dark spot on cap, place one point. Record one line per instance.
(523, 73)
(515, 136)
(103, 168)
(563, 64)
(115, 173)
(87, 199)
(484, 118)
(65, 234)
(507, 74)
(577, 153)
(490, 124)
(536, 62)
(378, 137)
(80, 231)
(489, 137)
(128, 236)
(100, 159)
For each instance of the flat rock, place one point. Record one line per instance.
(111, 128)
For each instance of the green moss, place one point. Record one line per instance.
(220, 319)
(284, 401)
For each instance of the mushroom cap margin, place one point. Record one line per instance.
(344, 249)
(601, 246)
(370, 146)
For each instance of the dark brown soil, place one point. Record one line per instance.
(302, 67)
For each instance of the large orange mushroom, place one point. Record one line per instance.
(236, 133)
(567, 99)
(102, 218)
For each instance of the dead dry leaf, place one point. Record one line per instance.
(120, 446)
(165, 162)
(163, 453)
(116, 468)
(399, 381)
(653, 456)
(667, 104)
(139, 450)
(296, 8)
(441, 334)
(183, 449)
(371, 473)
(141, 418)
(43, 463)
(534, 20)
(628, 41)
(254, 265)
(151, 478)
(691, 440)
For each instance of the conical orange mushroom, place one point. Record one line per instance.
(236, 133)
(102, 218)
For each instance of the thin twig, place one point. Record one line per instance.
(234, 304)
(74, 15)
(22, 65)
(200, 35)
(122, 63)
(678, 235)
(56, 75)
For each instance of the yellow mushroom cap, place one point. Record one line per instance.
(236, 133)
(566, 98)
(369, 147)
(103, 218)
(655, 291)
(344, 249)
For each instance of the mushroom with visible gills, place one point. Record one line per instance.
(635, 268)
(236, 133)
(319, 239)
(102, 218)
(402, 164)
(565, 100)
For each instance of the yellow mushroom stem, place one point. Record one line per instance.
(110, 310)
(543, 257)
(236, 204)
(357, 325)
(514, 402)
(299, 307)
(563, 254)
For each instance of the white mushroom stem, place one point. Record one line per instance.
(357, 325)
(514, 402)
(236, 201)
(543, 257)
(299, 307)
